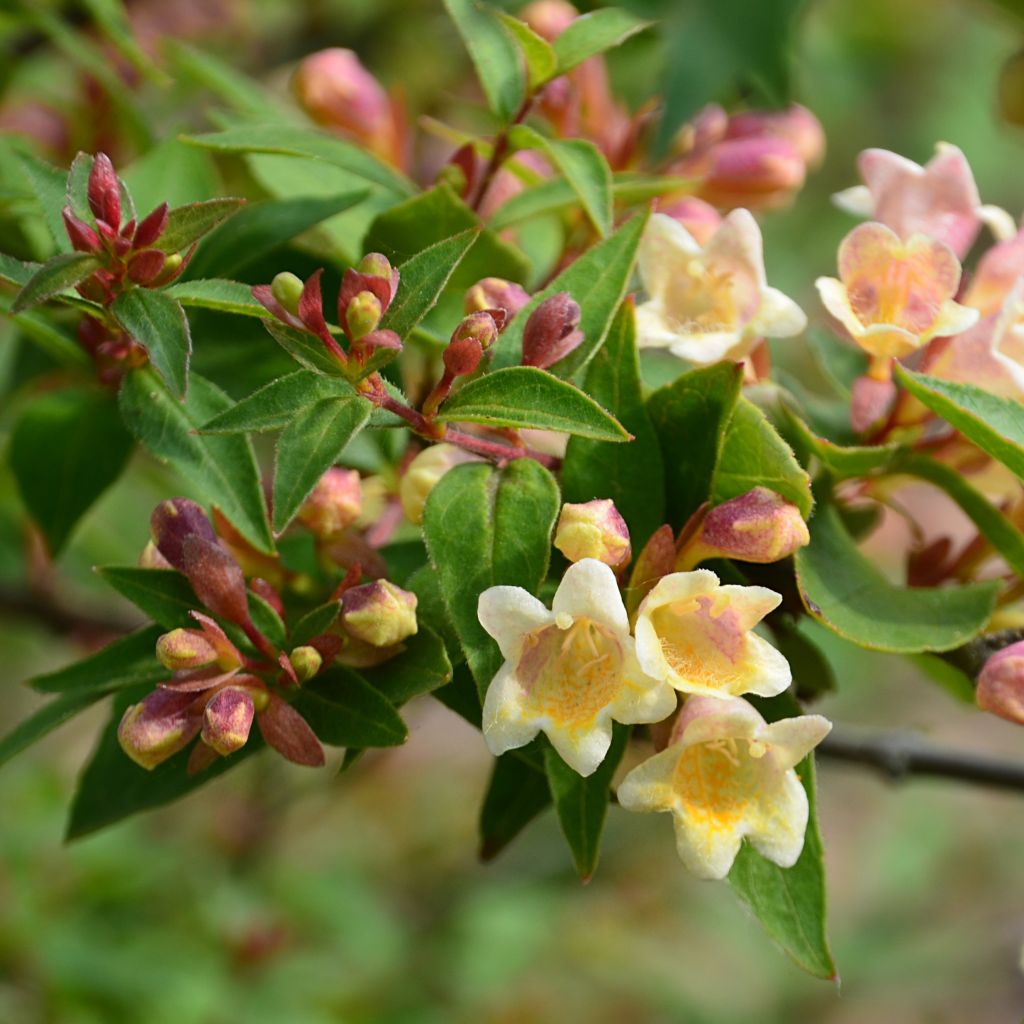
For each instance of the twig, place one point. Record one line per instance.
(60, 618)
(899, 755)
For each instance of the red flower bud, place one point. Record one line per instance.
(334, 504)
(228, 719)
(759, 171)
(216, 578)
(104, 191)
(462, 357)
(480, 327)
(172, 522)
(151, 228)
(551, 332)
(83, 238)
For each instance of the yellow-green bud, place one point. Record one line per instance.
(306, 661)
(379, 613)
(287, 289)
(375, 264)
(363, 315)
(593, 529)
(185, 648)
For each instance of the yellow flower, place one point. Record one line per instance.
(568, 672)
(726, 776)
(696, 635)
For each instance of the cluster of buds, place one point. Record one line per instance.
(366, 292)
(757, 160)
(112, 349)
(129, 252)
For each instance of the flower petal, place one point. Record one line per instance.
(508, 614)
(856, 200)
(953, 319)
(642, 699)
(504, 725)
(666, 248)
(778, 826)
(778, 317)
(583, 749)
(648, 787)
(836, 300)
(792, 739)
(714, 346)
(588, 590)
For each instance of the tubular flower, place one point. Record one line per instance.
(725, 776)
(709, 303)
(893, 296)
(939, 200)
(568, 672)
(696, 635)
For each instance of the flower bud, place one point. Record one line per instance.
(104, 191)
(185, 648)
(701, 219)
(362, 315)
(289, 733)
(228, 719)
(380, 281)
(306, 661)
(335, 503)
(158, 727)
(375, 264)
(83, 238)
(755, 172)
(146, 266)
(796, 124)
(216, 578)
(549, 18)
(422, 476)
(152, 559)
(379, 613)
(174, 520)
(871, 401)
(462, 357)
(593, 529)
(551, 332)
(287, 289)
(478, 326)
(1001, 684)
(759, 526)
(151, 227)
(495, 293)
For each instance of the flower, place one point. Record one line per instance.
(710, 302)
(696, 635)
(725, 776)
(939, 200)
(893, 295)
(568, 672)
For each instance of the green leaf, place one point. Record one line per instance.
(524, 396)
(597, 281)
(129, 660)
(67, 448)
(753, 455)
(483, 527)
(187, 224)
(421, 667)
(994, 424)
(846, 461)
(844, 591)
(582, 803)
(594, 33)
(309, 446)
(220, 468)
(288, 140)
(494, 56)
(48, 184)
(631, 474)
(163, 594)
(583, 166)
(541, 62)
(790, 902)
(214, 293)
(260, 228)
(265, 618)
(516, 794)
(54, 276)
(344, 710)
(306, 349)
(112, 787)
(15, 271)
(315, 622)
(423, 278)
(276, 404)
(172, 173)
(690, 417)
(42, 722)
(158, 323)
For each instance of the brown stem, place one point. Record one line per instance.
(498, 154)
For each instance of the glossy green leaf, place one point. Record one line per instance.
(790, 902)
(494, 56)
(483, 527)
(187, 224)
(47, 718)
(631, 474)
(129, 660)
(583, 166)
(220, 468)
(582, 803)
(994, 424)
(516, 794)
(67, 447)
(344, 710)
(158, 323)
(54, 276)
(597, 281)
(220, 295)
(541, 62)
(275, 404)
(594, 33)
(844, 591)
(421, 667)
(165, 595)
(524, 396)
(310, 444)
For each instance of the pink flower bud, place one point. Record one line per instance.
(549, 18)
(756, 172)
(82, 237)
(184, 649)
(462, 357)
(306, 661)
(158, 727)
(334, 504)
(593, 529)
(759, 526)
(228, 719)
(379, 613)
(796, 124)
(701, 219)
(1001, 684)
(423, 473)
(104, 191)
(172, 522)
(216, 578)
(480, 327)
(495, 293)
(551, 332)
(362, 315)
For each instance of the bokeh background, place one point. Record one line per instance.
(277, 895)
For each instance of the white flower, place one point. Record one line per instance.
(568, 672)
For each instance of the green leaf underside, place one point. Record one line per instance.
(630, 474)
(220, 468)
(485, 527)
(67, 447)
(582, 803)
(594, 33)
(845, 592)
(310, 444)
(129, 660)
(187, 224)
(344, 710)
(163, 594)
(597, 281)
(55, 276)
(516, 794)
(158, 323)
(218, 294)
(524, 396)
(275, 404)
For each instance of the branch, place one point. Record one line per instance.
(61, 619)
(899, 755)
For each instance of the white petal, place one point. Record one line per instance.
(583, 750)
(665, 248)
(508, 614)
(738, 239)
(953, 319)
(643, 699)
(588, 590)
(837, 302)
(652, 329)
(648, 787)
(713, 347)
(792, 739)
(706, 719)
(770, 673)
(778, 831)
(998, 221)
(679, 586)
(504, 726)
(707, 852)
(856, 200)
(778, 317)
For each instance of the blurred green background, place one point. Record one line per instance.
(277, 895)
